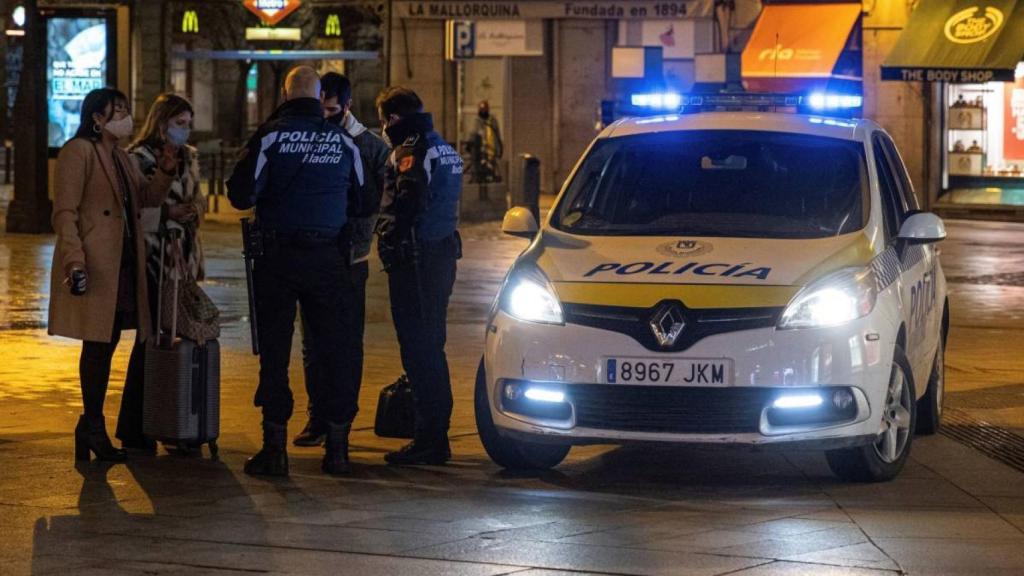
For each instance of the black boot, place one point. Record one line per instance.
(432, 449)
(312, 435)
(336, 455)
(272, 460)
(91, 436)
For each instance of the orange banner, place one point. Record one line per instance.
(1013, 120)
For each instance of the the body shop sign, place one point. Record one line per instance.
(272, 11)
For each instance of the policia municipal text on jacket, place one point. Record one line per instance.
(419, 246)
(299, 171)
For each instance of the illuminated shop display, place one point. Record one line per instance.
(76, 63)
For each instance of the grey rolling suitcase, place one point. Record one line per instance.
(181, 398)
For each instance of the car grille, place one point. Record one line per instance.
(700, 323)
(669, 408)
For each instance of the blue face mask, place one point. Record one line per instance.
(178, 136)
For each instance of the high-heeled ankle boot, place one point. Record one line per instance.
(336, 454)
(91, 436)
(272, 460)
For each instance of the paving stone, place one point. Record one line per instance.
(915, 523)
(864, 555)
(801, 569)
(586, 558)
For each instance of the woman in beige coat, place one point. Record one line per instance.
(98, 282)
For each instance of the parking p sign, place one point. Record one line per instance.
(461, 40)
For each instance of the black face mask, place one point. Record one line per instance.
(485, 114)
(337, 119)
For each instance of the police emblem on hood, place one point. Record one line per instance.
(684, 248)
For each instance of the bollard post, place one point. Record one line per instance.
(7, 164)
(529, 194)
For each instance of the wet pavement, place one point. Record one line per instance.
(956, 509)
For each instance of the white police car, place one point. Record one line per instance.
(748, 278)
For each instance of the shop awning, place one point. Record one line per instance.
(959, 41)
(795, 47)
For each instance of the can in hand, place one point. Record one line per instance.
(78, 282)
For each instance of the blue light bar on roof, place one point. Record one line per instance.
(739, 101)
(659, 100)
(827, 101)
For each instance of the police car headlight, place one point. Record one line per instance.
(528, 296)
(833, 300)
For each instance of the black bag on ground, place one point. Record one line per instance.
(181, 394)
(396, 417)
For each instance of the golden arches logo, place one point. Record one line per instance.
(190, 22)
(972, 25)
(333, 25)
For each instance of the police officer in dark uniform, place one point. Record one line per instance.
(297, 172)
(419, 245)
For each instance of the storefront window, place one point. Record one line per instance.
(985, 142)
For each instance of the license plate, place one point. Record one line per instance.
(678, 371)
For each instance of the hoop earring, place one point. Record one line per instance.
(97, 128)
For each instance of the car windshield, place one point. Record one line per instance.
(718, 183)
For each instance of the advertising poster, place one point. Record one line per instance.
(76, 63)
(1013, 121)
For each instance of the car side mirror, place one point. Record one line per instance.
(922, 228)
(519, 221)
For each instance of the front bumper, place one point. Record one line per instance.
(765, 362)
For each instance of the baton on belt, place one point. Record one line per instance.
(252, 248)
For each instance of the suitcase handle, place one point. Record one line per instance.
(178, 264)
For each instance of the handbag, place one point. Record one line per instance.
(396, 415)
(183, 304)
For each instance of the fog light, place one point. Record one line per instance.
(842, 399)
(791, 401)
(820, 407)
(544, 394)
(513, 391)
(546, 401)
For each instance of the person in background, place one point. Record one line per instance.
(98, 282)
(363, 206)
(486, 145)
(419, 246)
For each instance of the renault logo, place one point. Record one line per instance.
(667, 324)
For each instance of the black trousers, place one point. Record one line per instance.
(353, 355)
(420, 292)
(316, 276)
(94, 374)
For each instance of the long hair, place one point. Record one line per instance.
(96, 102)
(165, 107)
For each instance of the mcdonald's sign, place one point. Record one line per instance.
(190, 22)
(332, 26)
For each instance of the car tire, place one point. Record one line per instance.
(929, 407)
(883, 459)
(507, 452)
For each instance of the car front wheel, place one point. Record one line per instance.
(508, 452)
(884, 458)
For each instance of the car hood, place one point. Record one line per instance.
(700, 271)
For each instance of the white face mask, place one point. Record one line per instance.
(120, 128)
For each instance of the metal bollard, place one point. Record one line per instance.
(529, 192)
